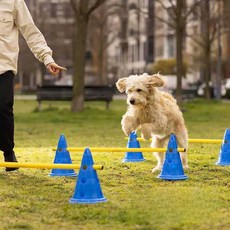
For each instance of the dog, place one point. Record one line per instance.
(154, 112)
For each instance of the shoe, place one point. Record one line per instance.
(10, 169)
(10, 157)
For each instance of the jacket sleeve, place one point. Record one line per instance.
(31, 33)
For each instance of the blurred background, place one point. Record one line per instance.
(187, 40)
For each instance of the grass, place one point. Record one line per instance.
(30, 199)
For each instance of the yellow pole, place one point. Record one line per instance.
(45, 166)
(209, 141)
(93, 149)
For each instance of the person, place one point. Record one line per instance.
(15, 17)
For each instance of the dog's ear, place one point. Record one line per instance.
(121, 84)
(156, 80)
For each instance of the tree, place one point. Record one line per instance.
(209, 40)
(123, 37)
(205, 25)
(179, 13)
(101, 35)
(180, 32)
(226, 24)
(82, 11)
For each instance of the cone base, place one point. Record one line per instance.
(223, 163)
(171, 177)
(87, 201)
(64, 174)
(133, 160)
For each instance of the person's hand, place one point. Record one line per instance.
(54, 68)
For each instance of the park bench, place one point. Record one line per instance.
(187, 94)
(64, 93)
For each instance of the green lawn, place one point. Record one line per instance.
(30, 199)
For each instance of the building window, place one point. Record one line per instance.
(171, 49)
(145, 50)
(133, 53)
(53, 10)
(195, 30)
(195, 14)
(60, 10)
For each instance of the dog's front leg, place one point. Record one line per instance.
(129, 124)
(146, 131)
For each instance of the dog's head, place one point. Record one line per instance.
(139, 87)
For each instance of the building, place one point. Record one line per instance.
(133, 37)
(132, 50)
(55, 20)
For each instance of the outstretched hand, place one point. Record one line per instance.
(54, 68)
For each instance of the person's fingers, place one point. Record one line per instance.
(50, 69)
(54, 69)
(61, 68)
(57, 66)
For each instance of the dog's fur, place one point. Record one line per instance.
(153, 111)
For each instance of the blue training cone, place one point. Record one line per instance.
(62, 157)
(88, 189)
(172, 167)
(224, 156)
(133, 156)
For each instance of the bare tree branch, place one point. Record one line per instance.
(195, 39)
(73, 3)
(165, 21)
(192, 8)
(95, 6)
(167, 8)
(162, 4)
(173, 6)
(213, 34)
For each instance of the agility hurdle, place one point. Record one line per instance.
(93, 149)
(46, 166)
(208, 141)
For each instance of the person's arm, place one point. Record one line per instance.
(34, 37)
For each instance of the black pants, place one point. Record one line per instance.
(7, 115)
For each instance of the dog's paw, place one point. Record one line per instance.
(127, 130)
(185, 167)
(157, 168)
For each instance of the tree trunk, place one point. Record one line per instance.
(124, 42)
(179, 50)
(179, 66)
(207, 51)
(101, 58)
(79, 62)
(226, 22)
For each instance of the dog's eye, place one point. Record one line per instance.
(139, 90)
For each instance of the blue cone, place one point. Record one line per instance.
(172, 167)
(133, 156)
(224, 156)
(88, 189)
(62, 157)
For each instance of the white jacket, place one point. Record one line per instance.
(15, 16)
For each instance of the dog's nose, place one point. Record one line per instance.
(132, 101)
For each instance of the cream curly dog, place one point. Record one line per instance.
(153, 111)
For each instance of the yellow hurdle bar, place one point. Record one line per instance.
(209, 141)
(93, 149)
(45, 166)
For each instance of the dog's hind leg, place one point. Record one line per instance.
(183, 143)
(159, 143)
